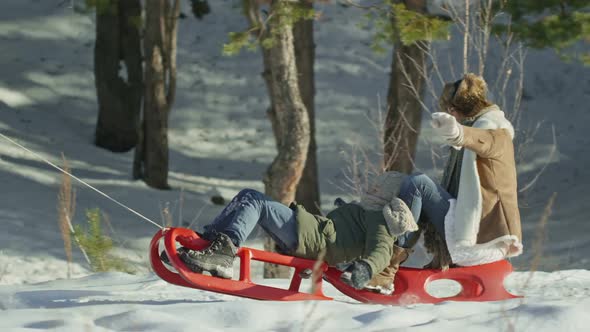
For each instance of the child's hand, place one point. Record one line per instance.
(357, 275)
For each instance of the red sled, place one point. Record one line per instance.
(479, 283)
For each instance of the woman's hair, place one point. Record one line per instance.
(468, 96)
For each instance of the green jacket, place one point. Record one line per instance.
(345, 234)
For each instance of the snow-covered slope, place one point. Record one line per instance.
(119, 302)
(221, 141)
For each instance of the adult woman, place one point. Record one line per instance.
(475, 210)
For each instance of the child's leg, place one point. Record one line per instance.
(251, 207)
(224, 218)
(233, 226)
(426, 198)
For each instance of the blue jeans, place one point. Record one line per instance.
(427, 200)
(250, 208)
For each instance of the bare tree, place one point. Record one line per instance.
(288, 115)
(505, 79)
(308, 191)
(404, 107)
(287, 112)
(151, 154)
(118, 46)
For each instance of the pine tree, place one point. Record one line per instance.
(288, 111)
(407, 26)
(557, 24)
(98, 246)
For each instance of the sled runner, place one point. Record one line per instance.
(243, 287)
(479, 283)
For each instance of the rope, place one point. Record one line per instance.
(81, 181)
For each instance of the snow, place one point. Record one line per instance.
(121, 302)
(221, 142)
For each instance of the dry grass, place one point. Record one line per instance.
(66, 207)
(317, 275)
(538, 250)
(66, 201)
(167, 216)
(540, 237)
(4, 271)
(365, 162)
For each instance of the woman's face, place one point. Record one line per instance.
(445, 101)
(455, 114)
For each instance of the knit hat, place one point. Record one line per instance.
(398, 217)
(381, 194)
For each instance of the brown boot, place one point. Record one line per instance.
(383, 281)
(436, 246)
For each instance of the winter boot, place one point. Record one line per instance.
(437, 246)
(164, 257)
(217, 258)
(383, 281)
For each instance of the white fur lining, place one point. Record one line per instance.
(469, 201)
(465, 254)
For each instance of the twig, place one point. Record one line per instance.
(180, 205)
(549, 159)
(316, 276)
(356, 5)
(466, 39)
(537, 249)
(4, 271)
(78, 241)
(196, 216)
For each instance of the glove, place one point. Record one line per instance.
(357, 275)
(448, 128)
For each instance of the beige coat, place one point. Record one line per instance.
(497, 175)
(483, 224)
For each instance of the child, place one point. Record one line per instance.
(361, 238)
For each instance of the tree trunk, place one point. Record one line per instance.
(151, 162)
(283, 175)
(308, 192)
(404, 110)
(119, 99)
(288, 116)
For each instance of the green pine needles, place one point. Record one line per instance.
(103, 6)
(557, 24)
(413, 26)
(394, 20)
(98, 246)
(283, 15)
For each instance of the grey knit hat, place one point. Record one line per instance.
(399, 218)
(381, 195)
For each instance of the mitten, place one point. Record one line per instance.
(357, 275)
(448, 128)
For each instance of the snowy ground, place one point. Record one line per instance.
(121, 302)
(221, 141)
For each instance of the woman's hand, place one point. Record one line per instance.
(447, 127)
